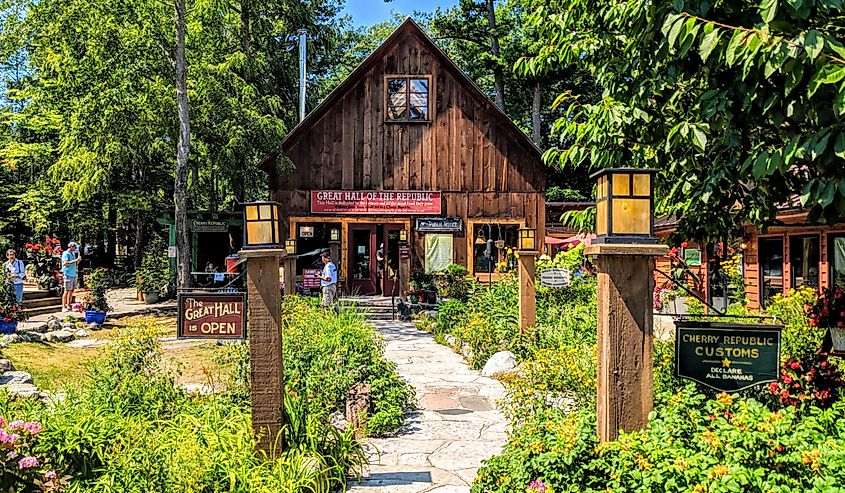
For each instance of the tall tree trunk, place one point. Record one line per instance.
(498, 76)
(111, 234)
(180, 186)
(536, 103)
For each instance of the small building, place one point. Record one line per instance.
(408, 142)
(214, 236)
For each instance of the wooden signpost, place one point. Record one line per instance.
(211, 316)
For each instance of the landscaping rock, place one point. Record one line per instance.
(12, 338)
(68, 326)
(501, 362)
(6, 365)
(450, 340)
(15, 378)
(59, 336)
(53, 323)
(40, 328)
(24, 337)
(466, 351)
(93, 326)
(338, 420)
(22, 391)
(82, 333)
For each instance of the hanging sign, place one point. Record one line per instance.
(306, 231)
(211, 316)
(727, 357)
(555, 277)
(375, 202)
(404, 252)
(439, 224)
(692, 257)
(311, 278)
(199, 226)
(171, 252)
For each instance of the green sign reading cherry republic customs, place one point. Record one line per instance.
(727, 357)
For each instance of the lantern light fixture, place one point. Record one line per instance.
(403, 235)
(262, 225)
(290, 246)
(625, 206)
(334, 234)
(527, 239)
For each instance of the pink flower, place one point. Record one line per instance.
(50, 475)
(537, 487)
(16, 425)
(30, 427)
(28, 462)
(6, 437)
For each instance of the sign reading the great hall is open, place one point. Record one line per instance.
(727, 357)
(212, 316)
(375, 202)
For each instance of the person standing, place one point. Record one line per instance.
(70, 262)
(328, 282)
(17, 273)
(379, 268)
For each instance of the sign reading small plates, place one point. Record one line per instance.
(212, 316)
(555, 277)
(727, 357)
(439, 224)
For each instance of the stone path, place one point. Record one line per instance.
(442, 445)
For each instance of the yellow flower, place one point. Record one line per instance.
(719, 470)
(699, 488)
(725, 399)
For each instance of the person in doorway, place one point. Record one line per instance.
(70, 262)
(17, 273)
(328, 282)
(379, 268)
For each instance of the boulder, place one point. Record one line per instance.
(15, 378)
(25, 337)
(6, 365)
(501, 362)
(82, 333)
(23, 391)
(40, 328)
(93, 326)
(12, 338)
(53, 323)
(450, 340)
(68, 326)
(59, 336)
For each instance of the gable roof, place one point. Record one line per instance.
(409, 28)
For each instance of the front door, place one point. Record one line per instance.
(361, 258)
(391, 259)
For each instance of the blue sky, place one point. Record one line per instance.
(367, 12)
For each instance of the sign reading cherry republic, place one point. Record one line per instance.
(727, 357)
(211, 316)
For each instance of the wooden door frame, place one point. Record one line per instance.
(470, 239)
(784, 252)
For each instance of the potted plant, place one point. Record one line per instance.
(10, 311)
(829, 313)
(45, 260)
(152, 278)
(95, 304)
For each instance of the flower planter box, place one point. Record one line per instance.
(8, 327)
(95, 317)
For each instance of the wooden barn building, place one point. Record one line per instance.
(408, 141)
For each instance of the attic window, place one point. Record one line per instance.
(408, 99)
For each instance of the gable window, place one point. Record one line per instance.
(408, 99)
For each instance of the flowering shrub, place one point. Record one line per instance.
(814, 381)
(829, 310)
(10, 310)
(44, 257)
(800, 339)
(96, 299)
(20, 468)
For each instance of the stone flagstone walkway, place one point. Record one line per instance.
(441, 446)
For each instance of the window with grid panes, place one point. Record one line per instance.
(408, 99)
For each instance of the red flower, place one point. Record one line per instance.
(786, 378)
(795, 365)
(28, 246)
(684, 244)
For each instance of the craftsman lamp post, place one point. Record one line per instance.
(262, 250)
(334, 245)
(290, 266)
(625, 248)
(526, 252)
(404, 274)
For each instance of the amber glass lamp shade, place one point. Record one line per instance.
(262, 225)
(625, 205)
(290, 246)
(528, 239)
(403, 235)
(334, 234)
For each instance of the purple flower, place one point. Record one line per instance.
(50, 475)
(16, 425)
(6, 437)
(537, 487)
(28, 462)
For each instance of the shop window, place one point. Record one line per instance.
(311, 239)
(804, 261)
(408, 99)
(438, 252)
(837, 260)
(771, 268)
(494, 247)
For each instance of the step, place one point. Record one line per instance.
(38, 295)
(41, 302)
(34, 312)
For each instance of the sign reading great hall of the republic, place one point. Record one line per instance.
(375, 202)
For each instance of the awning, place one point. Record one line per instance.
(551, 240)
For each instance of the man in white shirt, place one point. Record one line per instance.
(16, 273)
(328, 281)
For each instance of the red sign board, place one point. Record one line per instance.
(212, 316)
(404, 252)
(387, 202)
(311, 278)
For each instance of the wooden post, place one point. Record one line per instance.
(625, 337)
(266, 365)
(290, 274)
(527, 296)
(404, 276)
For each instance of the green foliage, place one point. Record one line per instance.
(326, 355)
(130, 429)
(154, 274)
(570, 259)
(799, 339)
(733, 102)
(558, 194)
(97, 284)
(454, 283)
(692, 443)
